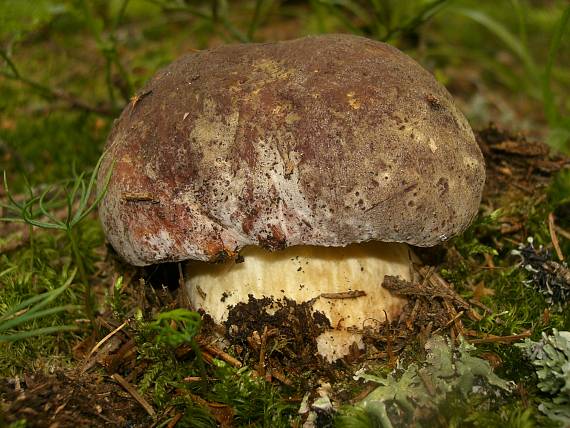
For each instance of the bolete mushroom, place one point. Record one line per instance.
(316, 159)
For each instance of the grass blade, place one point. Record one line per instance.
(548, 96)
(28, 316)
(81, 215)
(38, 332)
(82, 210)
(44, 298)
(504, 35)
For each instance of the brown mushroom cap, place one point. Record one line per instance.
(325, 140)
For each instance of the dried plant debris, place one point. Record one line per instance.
(514, 162)
(66, 399)
(412, 397)
(432, 305)
(551, 357)
(550, 278)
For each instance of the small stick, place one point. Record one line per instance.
(562, 232)
(102, 341)
(191, 379)
(474, 315)
(207, 357)
(262, 352)
(481, 305)
(455, 320)
(553, 237)
(212, 349)
(499, 339)
(281, 377)
(119, 357)
(451, 321)
(175, 420)
(412, 318)
(343, 295)
(222, 355)
(134, 393)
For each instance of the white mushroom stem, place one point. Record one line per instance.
(342, 283)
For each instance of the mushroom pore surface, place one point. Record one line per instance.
(322, 141)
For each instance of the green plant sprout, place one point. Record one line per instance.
(33, 308)
(77, 198)
(185, 328)
(178, 327)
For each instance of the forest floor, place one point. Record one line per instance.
(118, 370)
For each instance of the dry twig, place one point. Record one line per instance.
(553, 237)
(211, 349)
(491, 338)
(134, 393)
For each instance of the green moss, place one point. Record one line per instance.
(52, 147)
(252, 400)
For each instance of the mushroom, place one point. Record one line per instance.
(316, 160)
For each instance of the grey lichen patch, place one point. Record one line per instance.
(448, 373)
(267, 144)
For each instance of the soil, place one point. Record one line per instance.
(66, 399)
(284, 331)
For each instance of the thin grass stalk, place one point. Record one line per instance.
(29, 316)
(88, 295)
(43, 299)
(38, 332)
(548, 97)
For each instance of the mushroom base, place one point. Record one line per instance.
(342, 283)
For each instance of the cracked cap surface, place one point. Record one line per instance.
(324, 140)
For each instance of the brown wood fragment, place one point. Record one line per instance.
(134, 393)
(222, 413)
(175, 420)
(139, 197)
(210, 348)
(353, 294)
(435, 286)
(125, 353)
(451, 321)
(491, 338)
(280, 376)
(261, 368)
(564, 233)
(410, 320)
(107, 337)
(521, 148)
(553, 237)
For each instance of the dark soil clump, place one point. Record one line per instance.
(284, 332)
